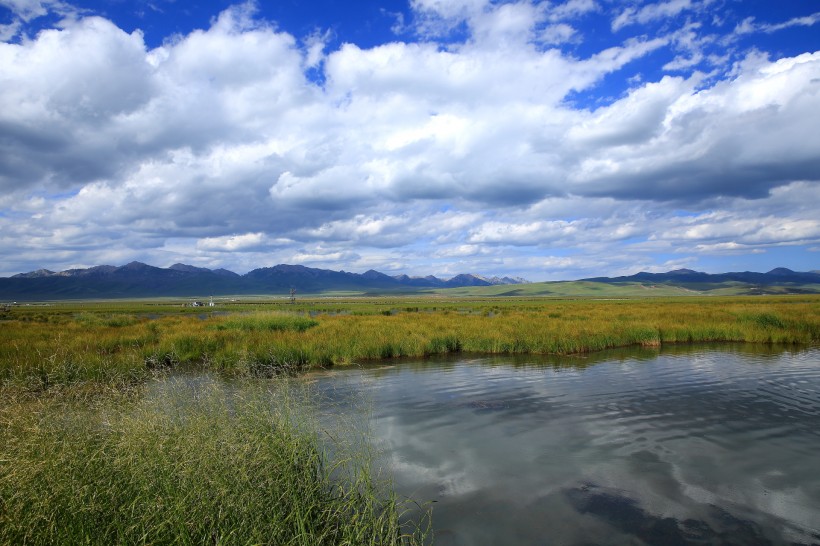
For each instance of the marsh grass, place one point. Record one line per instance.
(194, 463)
(267, 322)
(93, 320)
(109, 344)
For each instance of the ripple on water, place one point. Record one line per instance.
(688, 446)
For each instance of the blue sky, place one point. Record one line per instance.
(549, 140)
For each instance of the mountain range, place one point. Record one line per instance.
(136, 280)
(139, 280)
(696, 279)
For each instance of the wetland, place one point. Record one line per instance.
(395, 421)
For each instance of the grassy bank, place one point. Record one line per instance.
(91, 453)
(47, 348)
(194, 464)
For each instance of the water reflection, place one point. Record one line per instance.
(691, 445)
(718, 526)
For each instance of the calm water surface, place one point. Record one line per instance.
(703, 445)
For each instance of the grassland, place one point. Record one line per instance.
(120, 343)
(89, 455)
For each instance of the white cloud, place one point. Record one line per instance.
(748, 25)
(319, 255)
(9, 31)
(557, 34)
(653, 11)
(807, 21)
(233, 243)
(726, 248)
(704, 144)
(26, 9)
(462, 251)
(572, 9)
(408, 155)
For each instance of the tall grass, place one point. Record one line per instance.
(267, 322)
(61, 348)
(194, 464)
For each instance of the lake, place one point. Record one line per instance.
(686, 445)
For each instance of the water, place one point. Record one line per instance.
(686, 446)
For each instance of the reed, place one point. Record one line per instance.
(192, 464)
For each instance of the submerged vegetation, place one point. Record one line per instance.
(91, 452)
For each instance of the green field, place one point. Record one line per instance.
(89, 454)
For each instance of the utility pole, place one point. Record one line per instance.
(292, 296)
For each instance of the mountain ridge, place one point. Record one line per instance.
(681, 277)
(140, 280)
(137, 279)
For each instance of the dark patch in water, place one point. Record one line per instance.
(485, 405)
(626, 515)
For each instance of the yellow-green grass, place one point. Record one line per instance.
(64, 345)
(203, 464)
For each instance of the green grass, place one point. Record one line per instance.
(192, 464)
(267, 322)
(97, 320)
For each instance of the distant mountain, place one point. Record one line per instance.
(696, 279)
(139, 280)
(194, 269)
(680, 282)
(136, 280)
(132, 280)
(189, 268)
(35, 274)
(466, 280)
(505, 280)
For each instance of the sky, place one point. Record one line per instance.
(549, 140)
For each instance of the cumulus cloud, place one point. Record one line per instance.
(740, 137)
(406, 154)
